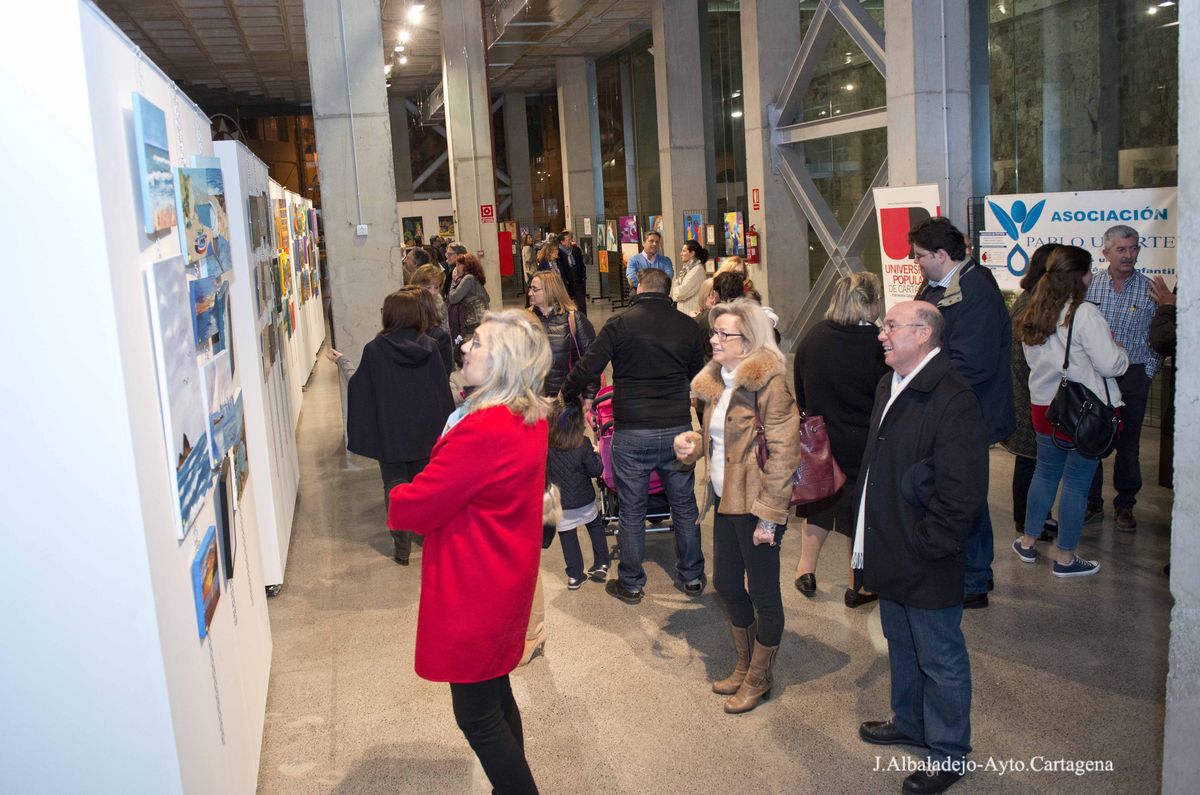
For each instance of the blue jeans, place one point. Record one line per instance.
(931, 677)
(635, 453)
(1075, 472)
(980, 553)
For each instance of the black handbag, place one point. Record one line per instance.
(1091, 424)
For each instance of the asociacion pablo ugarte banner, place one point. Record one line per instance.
(1015, 225)
(897, 210)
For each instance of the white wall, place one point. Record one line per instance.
(428, 210)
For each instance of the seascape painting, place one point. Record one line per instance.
(629, 229)
(154, 165)
(205, 584)
(180, 393)
(203, 220)
(210, 302)
(220, 408)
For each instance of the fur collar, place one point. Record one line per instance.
(752, 374)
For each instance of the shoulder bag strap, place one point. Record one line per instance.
(1067, 352)
(574, 335)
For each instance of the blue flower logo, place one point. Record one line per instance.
(1016, 222)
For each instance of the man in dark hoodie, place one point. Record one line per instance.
(979, 340)
(655, 352)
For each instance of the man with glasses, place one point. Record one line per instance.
(1126, 300)
(923, 482)
(978, 339)
(655, 352)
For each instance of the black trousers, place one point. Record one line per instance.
(1127, 464)
(394, 473)
(573, 555)
(487, 714)
(738, 563)
(579, 298)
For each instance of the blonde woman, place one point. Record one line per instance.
(483, 538)
(569, 332)
(746, 378)
(838, 365)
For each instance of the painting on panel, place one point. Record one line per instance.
(602, 259)
(312, 224)
(291, 317)
(264, 343)
(413, 230)
(203, 221)
(180, 394)
(217, 380)
(210, 313)
(734, 239)
(656, 223)
(206, 585)
(299, 219)
(710, 234)
(693, 227)
(225, 512)
(241, 463)
(260, 228)
(154, 165)
(446, 227)
(629, 229)
(587, 224)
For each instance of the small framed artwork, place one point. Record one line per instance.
(206, 585)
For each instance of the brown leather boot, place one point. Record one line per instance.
(743, 642)
(757, 684)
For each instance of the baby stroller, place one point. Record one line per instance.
(658, 510)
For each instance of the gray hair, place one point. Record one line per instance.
(856, 299)
(931, 316)
(1121, 232)
(456, 248)
(652, 233)
(520, 357)
(758, 332)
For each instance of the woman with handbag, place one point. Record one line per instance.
(747, 406)
(483, 539)
(837, 368)
(1068, 345)
(569, 332)
(468, 300)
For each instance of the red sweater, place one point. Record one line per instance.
(479, 505)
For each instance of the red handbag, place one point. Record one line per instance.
(817, 476)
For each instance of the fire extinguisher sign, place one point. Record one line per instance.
(755, 199)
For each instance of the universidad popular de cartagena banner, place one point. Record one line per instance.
(1015, 225)
(898, 210)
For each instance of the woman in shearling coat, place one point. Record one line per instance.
(751, 503)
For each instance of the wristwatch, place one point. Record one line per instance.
(767, 527)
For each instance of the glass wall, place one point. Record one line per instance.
(728, 126)
(1084, 94)
(545, 152)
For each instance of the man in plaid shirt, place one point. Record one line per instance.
(1125, 298)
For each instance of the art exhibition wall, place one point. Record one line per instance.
(433, 216)
(118, 677)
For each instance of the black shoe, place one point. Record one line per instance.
(856, 599)
(884, 732)
(694, 587)
(613, 588)
(807, 584)
(400, 560)
(974, 601)
(925, 783)
(1049, 530)
(991, 584)
(598, 573)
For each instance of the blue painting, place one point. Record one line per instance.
(203, 220)
(154, 166)
(220, 408)
(204, 294)
(180, 393)
(693, 227)
(206, 585)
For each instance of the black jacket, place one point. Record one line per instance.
(445, 346)
(563, 351)
(572, 471)
(566, 269)
(399, 398)
(655, 352)
(978, 338)
(930, 448)
(837, 368)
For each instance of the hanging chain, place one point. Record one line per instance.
(241, 526)
(212, 659)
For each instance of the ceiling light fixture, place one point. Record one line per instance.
(414, 12)
(849, 86)
(403, 60)
(1152, 10)
(737, 114)
(403, 35)
(398, 48)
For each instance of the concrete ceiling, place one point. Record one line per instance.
(250, 56)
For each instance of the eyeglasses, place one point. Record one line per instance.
(890, 327)
(533, 289)
(920, 255)
(724, 336)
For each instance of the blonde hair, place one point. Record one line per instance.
(758, 333)
(706, 289)
(554, 290)
(428, 276)
(854, 297)
(520, 355)
(733, 263)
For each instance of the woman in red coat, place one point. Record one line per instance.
(479, 505)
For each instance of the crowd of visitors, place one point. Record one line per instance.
(911, 402)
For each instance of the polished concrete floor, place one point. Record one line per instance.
(1062, 670)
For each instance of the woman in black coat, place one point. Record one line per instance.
(570, 333)
(399, 399)
(838, 365)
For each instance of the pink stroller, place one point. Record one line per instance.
(658, 510)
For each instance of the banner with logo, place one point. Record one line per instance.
(897, 210)
(1016, 225)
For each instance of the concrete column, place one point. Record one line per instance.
(770, 41)
(576, 99)
(401, 148)
(516, 141)
(679, 98)
(1180, 772)
(354, 148)
(469, 135)
(929, 99)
